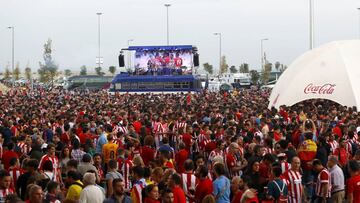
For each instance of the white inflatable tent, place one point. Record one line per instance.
(331, 71)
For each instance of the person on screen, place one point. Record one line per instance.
(178, 61)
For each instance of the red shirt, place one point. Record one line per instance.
(237, 197)
(180, 159)
(277, 136)
(83, 137)
(353, 186)
(179, 195)
(203, 188)
(137, 126)
(7, 156)
(186, 138)
(149, 200)
(147, 154)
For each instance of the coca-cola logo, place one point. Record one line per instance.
(319, 89)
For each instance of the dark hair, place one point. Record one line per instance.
(203, 171)
(86, 158)
(97, 154)
(149, 188)
(52, 185)
(219, 168)
(189, 165)
(112, 164)
(176, 178)
(353, 166)
(33, 163)
(147, 172)
(13, 161)
(4, 173)
(48, 165)
(277, 171)
(74, 175)
(138, 170)
(116, 180)
(73, 163)
(51, 145)
(317, 162)
(10, 146)
(76, 143)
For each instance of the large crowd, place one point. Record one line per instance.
(89, 146)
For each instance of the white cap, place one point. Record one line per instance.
(358, 129)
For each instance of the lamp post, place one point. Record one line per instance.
(219, 34)
(167, 22)
(99, 59)
(262, 52)
(12, 54)
(128, 53)
(311, 18)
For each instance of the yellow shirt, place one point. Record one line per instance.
(109, 151)
(74, 191)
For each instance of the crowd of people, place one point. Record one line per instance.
(83, 146)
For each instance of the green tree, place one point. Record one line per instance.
(48, 70)
(208, 68)
(83, 70)
(7, 74)
(283, 68)
(68, 72)
(265, 75)
(112, 70)
(255, 76)
(28, 73)
(224, 67)
(233, 69)
(244, 68)
(99, 72)
(17, 71)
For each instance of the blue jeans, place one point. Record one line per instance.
(307, 181)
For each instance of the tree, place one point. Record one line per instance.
(282, 68)
(255, 76)
(112, 70)
(277, 65)
(233, 69)
(49, 70)
(265, 75)
(99, 72)
(28, 73)
(68, 72)
(224, 67)
(244, 68)
(7, 74)
(17, 71)
(83, 70)
(208, 68)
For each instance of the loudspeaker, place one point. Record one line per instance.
(121, 60)
(196, 60)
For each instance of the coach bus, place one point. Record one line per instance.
(88, 82)
(140, 84)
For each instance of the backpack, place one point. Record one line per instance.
(282, 198)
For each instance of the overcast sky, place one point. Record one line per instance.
(72, 25)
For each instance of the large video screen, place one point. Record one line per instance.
(164, 61)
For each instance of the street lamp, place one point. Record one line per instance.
(262, 52)
(12, 55)
(311, 18)
(99, 60)
(219, 34)
(167, 22)
(128, 53)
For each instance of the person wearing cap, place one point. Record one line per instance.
(337, 180)
(284, 165)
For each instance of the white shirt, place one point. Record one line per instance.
(337, 179)
(91, 194)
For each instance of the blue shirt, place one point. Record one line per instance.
(221, 189)
(273, 189)
(101, 141)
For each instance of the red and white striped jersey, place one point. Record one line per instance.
(136, 193)
(189, 181)
(15, 173)
(348, 147)
(123, 129)
(125, 169)
(4, 193)
(55, 162)
(268, 150)
(323, 177)
(333, 145)
(293, 181)
(214, 153)
(24, 148)
(179, 125)
(285, 166)
(232, 161)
